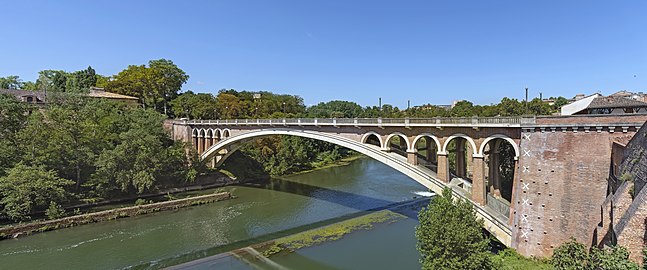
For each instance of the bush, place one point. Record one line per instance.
(141, 201)
(54, 211)
(450, 236)
(573, 256)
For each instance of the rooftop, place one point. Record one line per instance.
(615, 102)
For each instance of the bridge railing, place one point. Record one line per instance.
(437, 121)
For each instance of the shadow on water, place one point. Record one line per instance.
(363, 204)
(346, 199)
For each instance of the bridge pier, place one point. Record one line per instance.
(200, 144)
(412, 157)
(443, 167)
(478, 181)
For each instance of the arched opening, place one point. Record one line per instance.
(499, 158)
(216, 136)
(225, 134)
(208, 140)
(460, 152)
(372, 139)
(201, 136)
(397, 143)
(194, 135)
(427, 152)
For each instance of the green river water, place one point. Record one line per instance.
(259, 213)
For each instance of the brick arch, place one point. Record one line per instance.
(475, 152)
(433, 137)
(227, 132)
(503, 137)
(367, 134)
(402, 136)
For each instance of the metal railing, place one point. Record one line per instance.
(406, 122)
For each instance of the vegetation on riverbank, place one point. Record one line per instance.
(451, 237)
(274, 156)
(328, 233)
(81, 150)
(142, 207)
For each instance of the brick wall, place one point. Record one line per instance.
(560, 185)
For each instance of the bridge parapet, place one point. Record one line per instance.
(512, 121)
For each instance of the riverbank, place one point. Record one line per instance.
(338, 163)
(42, 226)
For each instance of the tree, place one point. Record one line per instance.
(195, 106)
(335, 108)
(11, 82)
(511, 107)
(450, 236)
(463, 109)
(13, 118)
(155, 84)
(26, 189)
(167, 79)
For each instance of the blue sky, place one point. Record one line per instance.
(423, 51)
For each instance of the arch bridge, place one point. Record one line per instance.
(525, 176)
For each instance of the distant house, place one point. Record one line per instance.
(34, 97)
(40, 98)
(598, 104)
(640, 96)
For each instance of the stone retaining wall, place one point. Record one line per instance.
(42, 226)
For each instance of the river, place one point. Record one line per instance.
(259, 213)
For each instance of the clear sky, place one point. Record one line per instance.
(423, 51)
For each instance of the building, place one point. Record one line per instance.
(40, 97)
(640, 96)
(34, 97)
(598, 104)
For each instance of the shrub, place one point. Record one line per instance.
(54, 211)
(450, 236)
(141, 201)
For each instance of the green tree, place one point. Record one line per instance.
(155, 85)
(26, 189)
(13, 118)
(463, 109)
(195, 106)
(11, 82)
(335, 108)
(510, 107)
(450, 236)
(167, 79)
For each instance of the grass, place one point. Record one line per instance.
(328, 233)
(509, 259)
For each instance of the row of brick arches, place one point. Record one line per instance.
(205, 138)
(489, 166)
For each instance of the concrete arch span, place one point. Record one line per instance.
(498, 228)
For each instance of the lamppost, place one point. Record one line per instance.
(283, 108)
